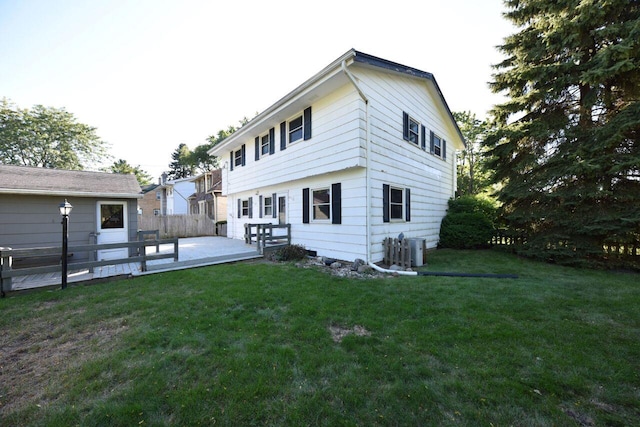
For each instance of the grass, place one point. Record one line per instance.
(252, 344)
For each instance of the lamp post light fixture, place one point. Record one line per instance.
(65, 210)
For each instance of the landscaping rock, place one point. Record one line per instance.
(336, 265)
(357, 264)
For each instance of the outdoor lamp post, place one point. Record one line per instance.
(65, 210)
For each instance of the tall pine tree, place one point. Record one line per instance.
(566, 147)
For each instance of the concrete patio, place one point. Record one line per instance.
(192, 252)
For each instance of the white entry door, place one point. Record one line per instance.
(112, 228)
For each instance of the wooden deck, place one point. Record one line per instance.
(193, 252)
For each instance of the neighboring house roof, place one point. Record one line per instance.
(58, 182)
(149, 187)
(307, 90)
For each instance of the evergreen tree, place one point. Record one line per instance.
(566, 147)
(182, 165)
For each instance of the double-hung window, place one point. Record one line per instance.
(410, 128)
(238, 157)
(321, 204)
(245, 208)
(438, 146)
(396, 203)
(264, 145)
(414, 131)
(295, 129)
(268, 206)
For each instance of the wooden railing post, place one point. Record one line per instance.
(175, 250)
(5, 265)
(143, 262)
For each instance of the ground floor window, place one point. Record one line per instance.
(321, 205)
(396, 203)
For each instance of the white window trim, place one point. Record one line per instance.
(265, 206)
(412, 133)
(402, 204)
(290, 131)
(312, 205)
(244, 205)
(437, 148)
(237, 158)
(264, 145)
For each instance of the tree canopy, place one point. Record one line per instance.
(47, 137)
(473, 178)
(566, 144)
(122, 166)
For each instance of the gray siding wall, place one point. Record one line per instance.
(35, 221)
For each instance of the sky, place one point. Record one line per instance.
(152, 74)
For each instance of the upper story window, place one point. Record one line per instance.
(295, 129)
(438, 146)
(414, 131)
(237, 158)
(264, 145)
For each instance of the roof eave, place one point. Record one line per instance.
(71, 193)
(291, 96)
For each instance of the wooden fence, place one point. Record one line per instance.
(503, 237)
(397, 252)
(178, 225)
(7, 270)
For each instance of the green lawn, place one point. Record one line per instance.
(252, 344)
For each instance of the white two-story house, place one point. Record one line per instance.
(363, 150)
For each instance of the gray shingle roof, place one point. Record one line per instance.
(32, 180)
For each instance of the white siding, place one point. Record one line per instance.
(336, 153)
(401, 163)
(338, 132)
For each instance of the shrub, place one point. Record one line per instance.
(290, 253)
(469, 223)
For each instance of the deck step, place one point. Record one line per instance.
(177, 265)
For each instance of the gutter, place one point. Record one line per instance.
(368, 150)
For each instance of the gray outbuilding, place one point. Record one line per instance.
(104, 208)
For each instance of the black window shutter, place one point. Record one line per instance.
(336, 203)
(260, 206)
(272, 140)
(444, 149)
(407, 204)
(385, 202)
(431, 143)
(283, 136)
(273, 205)
(405, 125)
(250, 207)
(231, 160)
(307, 123)
(257, 148)
(424, 137)
(305, 206)
(239, 208)
(244, 158)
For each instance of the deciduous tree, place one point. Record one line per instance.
(47, 137)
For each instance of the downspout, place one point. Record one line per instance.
(367, 160)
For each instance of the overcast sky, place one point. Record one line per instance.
(151, 74)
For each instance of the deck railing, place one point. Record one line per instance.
(7, 271)
(267, 235)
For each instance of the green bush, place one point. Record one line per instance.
(290, 253)
(469, 223)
